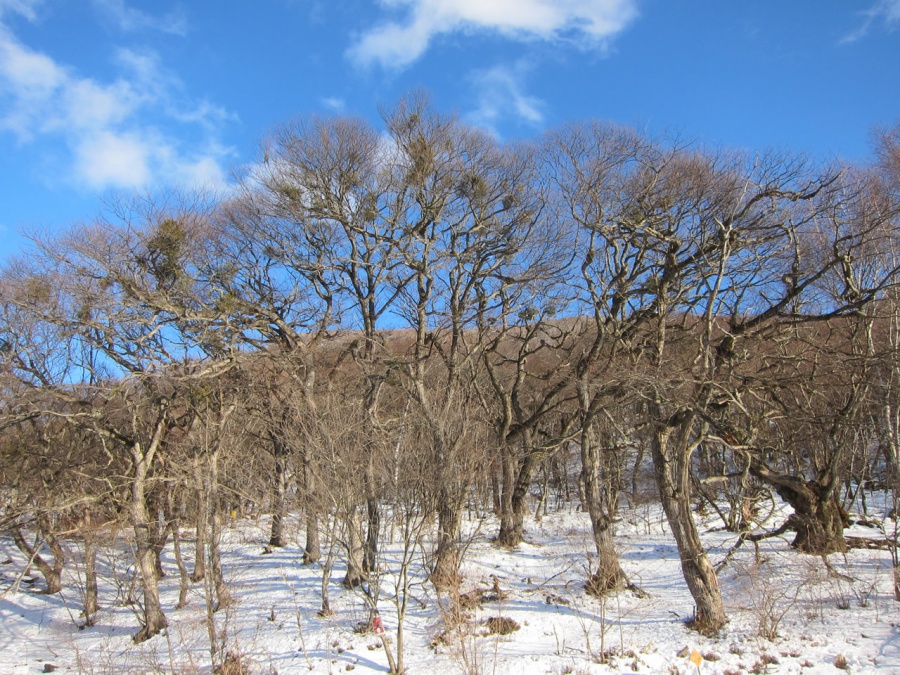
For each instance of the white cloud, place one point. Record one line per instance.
(887, 11)
(395, 45)
(500, 95)
(109, 159)
(333, 103)
(104, 123)
(129, 19)
(27, 8)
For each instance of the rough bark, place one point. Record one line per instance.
(223, 596)
(312, 552)
(373, 529)
(818, 518)
(671, 449)
(517, 483)
(445, 571)
(52, 573)
(279, 489)
(354, 548)
(159, 542)
(199, 573)
(153, 620)
(90, 569)
(183, 574)
(609, 575)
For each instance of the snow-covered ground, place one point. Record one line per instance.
(823, 618)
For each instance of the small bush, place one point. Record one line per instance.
(501, 625)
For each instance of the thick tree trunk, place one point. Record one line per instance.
(608, 575)
(508, 465)
(154, 620)
(671, 449)
(515, 505)
(818, 518)
(445, 572)
(279, 489)
(52, 573)
(355, 571)
(312, 552)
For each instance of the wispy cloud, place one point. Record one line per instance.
(398, 44)
(26, 8)
(334, 103)
(500, 96)
(883, 11)
(129, 19)
(105, 124)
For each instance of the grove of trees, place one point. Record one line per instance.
(383, 331)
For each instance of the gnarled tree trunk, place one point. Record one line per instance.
(671, 447)
(52, 573)
(818, 518)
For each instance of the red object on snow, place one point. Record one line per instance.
(377, 626)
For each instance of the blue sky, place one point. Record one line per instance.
(104, 97)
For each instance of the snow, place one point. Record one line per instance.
(820, 615)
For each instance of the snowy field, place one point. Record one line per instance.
(822, 620)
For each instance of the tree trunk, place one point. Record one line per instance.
(223, 596)
(515, 504)
(373, 530)
(90, 569)
(199, 573)
(445, 573)
(608, 575)
(154, 620)
(671, 450)
(279, 489)
(818, 517)
(183, 574)
(159, 542)
(312, 553)
(52, 573)
(355, 571)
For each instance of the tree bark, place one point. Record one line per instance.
(183, 574)
(199, 573)
(608, 575)
(373, 530)
(159, 542)
(671, 449)
(818, 518)
(52, 573)
(154, 620)
(445, 572)
(514, 501)
(90, 569)
(223, 596)
(355, 570)
(312, 552)
(279, 489)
